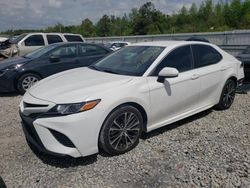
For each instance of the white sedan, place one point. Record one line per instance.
(139, 88)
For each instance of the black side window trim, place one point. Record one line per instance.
(152, 73)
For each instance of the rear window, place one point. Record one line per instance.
(73, 38)
(54, 39)
(205, 55)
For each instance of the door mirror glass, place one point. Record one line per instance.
(167, 72)
(54, 58)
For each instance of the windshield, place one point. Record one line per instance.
(17, 39)
(131, 60)
(108, 45)
(41, 51)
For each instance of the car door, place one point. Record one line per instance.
(178, 96)
(60, 59)
(31, 43)
(89, 54)
(210, 71)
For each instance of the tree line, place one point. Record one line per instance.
(146, 20)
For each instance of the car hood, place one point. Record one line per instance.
(13, 61)
(76, 85)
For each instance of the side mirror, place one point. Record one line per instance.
(167, 72)
(54, 58)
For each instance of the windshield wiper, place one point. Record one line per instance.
(102, 70)
(109, 71)
(94, 67)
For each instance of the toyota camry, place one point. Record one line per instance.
(137, 89)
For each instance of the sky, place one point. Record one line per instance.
(37, 14)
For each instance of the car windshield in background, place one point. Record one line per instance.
(41, 51)
(246, 51)
(108, 45)
(131, 60)
(18, 38)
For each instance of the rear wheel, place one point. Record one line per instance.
(26, 81)
(227, 95)
(121, 130)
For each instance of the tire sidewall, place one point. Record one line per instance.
(220, 105)
(104, 135)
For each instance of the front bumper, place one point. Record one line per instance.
(240, 82)
(74, 135)
(7, 82)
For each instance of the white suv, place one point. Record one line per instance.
(139, 88)
(26, 43)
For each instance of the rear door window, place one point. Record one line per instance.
(91, 50)
(54, 39)
(68, 51)
(34, 40)
(73, 38)
(205, 55)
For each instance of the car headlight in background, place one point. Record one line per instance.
(66, 109)
(2, 72)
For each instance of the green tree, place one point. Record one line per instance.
(103, 26)
(88, 29)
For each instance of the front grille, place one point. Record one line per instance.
(29, 105)
(64, 140)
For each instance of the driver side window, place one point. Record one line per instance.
(180, 58)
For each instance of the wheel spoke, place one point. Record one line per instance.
(116, 138)
(119, 141)
(133, 124)
(117, 124)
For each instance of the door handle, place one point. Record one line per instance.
(195, 76)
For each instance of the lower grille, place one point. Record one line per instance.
(64, 140)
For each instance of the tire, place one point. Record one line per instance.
(2, 184)
(121, 130)
(26, 81)
(227, 95)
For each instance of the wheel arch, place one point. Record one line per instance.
(234, 78)
(134, 104)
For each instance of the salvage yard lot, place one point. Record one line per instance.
(208, 149)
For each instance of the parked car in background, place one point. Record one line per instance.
(28, 42)
(3, 39)
(4, 44)
(196, 38)
(22, 72)
(116, 45)
(244, 56)
(139, 88)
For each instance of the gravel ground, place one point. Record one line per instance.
(211, 149)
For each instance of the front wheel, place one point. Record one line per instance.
(121, 130)
(26, 81)
(227, 95)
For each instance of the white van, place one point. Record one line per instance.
(29, 42)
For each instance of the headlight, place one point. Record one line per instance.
(2, 72)
(66, 109)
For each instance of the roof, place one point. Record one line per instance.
(167, 43)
